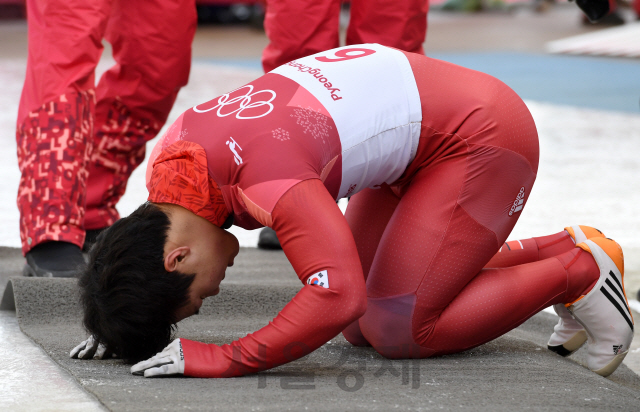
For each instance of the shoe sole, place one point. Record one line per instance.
(570, 346)
(612, 366)
(27, 271)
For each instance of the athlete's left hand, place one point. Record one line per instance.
(169, 362)
(91, 349)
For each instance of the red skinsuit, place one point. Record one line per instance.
(78, 142)
(439, 160)
(298, 28)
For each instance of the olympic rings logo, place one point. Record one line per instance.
(241, 103)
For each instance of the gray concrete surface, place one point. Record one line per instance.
(513, 372)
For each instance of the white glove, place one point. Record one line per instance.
(166, 363)
(91, 349)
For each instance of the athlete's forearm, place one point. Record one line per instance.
(313, 317)
(318, 242)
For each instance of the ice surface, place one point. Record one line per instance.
(31, 381)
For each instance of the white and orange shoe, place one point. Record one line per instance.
(569, 335)
(581, 233)
(604, 311)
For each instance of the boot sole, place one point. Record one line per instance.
(611, 366)
(571, 345)
(28, 271)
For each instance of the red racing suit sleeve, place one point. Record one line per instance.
(315, 238)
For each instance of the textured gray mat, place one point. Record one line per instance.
(514, 372)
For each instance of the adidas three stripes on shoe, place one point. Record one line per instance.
(604, 311)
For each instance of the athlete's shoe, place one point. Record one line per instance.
(604, 311)
(581, 233)
(569, 335)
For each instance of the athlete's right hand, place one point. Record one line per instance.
(91, 349)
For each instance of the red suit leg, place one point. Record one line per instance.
(298, 28)
(55, 118)
(367, 214)
(399, 24)
(478, 155)
(152, 48)
(477, 158)
(518, 252)
(426, 291)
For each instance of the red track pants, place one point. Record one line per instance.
(77, 142)
(298, 28)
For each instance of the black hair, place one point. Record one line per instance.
(129, 299)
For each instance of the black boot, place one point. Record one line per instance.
(268, 239)
(91, 237)
(54, 259)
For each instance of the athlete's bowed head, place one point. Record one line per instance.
(149, 271)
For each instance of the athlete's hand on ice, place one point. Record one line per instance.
(166, 363)
(91, 349)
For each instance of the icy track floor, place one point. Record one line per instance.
(31, 381)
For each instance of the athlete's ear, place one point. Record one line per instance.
(175, 257)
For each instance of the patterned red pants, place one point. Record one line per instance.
(79, 141)
(71, 182)
(52, 155)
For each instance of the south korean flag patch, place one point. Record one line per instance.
(320, 279)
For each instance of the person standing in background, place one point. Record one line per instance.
(79, 142)
(299, 28)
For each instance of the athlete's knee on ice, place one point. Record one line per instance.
(387, 326)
